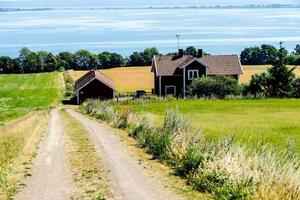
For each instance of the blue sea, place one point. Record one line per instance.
(125, 27)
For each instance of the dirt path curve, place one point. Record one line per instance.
(127, 178)
(51, 177)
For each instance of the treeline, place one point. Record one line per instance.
(266, 54)
(43, 61)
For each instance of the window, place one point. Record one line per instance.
(193, 74)
(170, 90)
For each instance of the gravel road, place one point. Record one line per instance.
(51, 176)
(128, 179)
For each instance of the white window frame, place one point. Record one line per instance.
(193, 72)
(170, 86)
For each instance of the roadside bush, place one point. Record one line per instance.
(222, 168)
(192, 159)
(121, 121)
(69, 85)
(100, 110)
(218, 86)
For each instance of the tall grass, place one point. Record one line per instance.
(18, 145)
(223, 168)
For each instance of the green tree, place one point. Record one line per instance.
(148, 54)
(67, 60)
(6, 65)
(51, 63)
(116, 60)
(191, 50)
(267, 54)
(297, 50)
(281, 77)
(109, 60)
(251, 56)
(104, 59)
(258, 85)
(29, 61)
(296, 88)
(83, 60)
(136, 59)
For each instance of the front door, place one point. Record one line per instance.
(170, 90)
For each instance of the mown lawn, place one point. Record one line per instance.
(22, 93)
(271, 121)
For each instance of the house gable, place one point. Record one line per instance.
(194, 68)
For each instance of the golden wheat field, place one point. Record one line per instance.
(250, 70)
(130, 79)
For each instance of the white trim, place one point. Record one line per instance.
(170, 86)
(195, 59)
(190, 78)
(184, 83)
(154, 58)
(78, 99)
(240, 66)
(159, 80)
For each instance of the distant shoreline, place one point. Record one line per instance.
(157, 7)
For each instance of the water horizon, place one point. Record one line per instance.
(222, 29)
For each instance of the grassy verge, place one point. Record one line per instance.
(222, 168)
(18, 146)
(89, 175)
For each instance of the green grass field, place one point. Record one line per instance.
(22, 93)
(274, 120)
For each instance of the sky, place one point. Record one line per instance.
(130, 3)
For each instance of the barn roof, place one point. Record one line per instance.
(91, 75)
(216, 64)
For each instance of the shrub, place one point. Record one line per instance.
(122, 120)
(190, 162)
(100, 110)
(174, 122)
(159, 144)
(218, 86)
(276, 82)
(69, 85)
(222, 168)
(296, 88)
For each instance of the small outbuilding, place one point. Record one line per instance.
(94, 85)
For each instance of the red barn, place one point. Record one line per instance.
(94, 85)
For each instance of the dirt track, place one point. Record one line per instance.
(51, 178)
(127, 178)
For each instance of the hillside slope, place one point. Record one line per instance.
(22, 93)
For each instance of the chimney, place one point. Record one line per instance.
(200, 53)
(180, 53)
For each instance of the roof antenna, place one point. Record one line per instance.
(281, 44)
(178, 38)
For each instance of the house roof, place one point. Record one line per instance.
(91, 75)
(216, 65)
